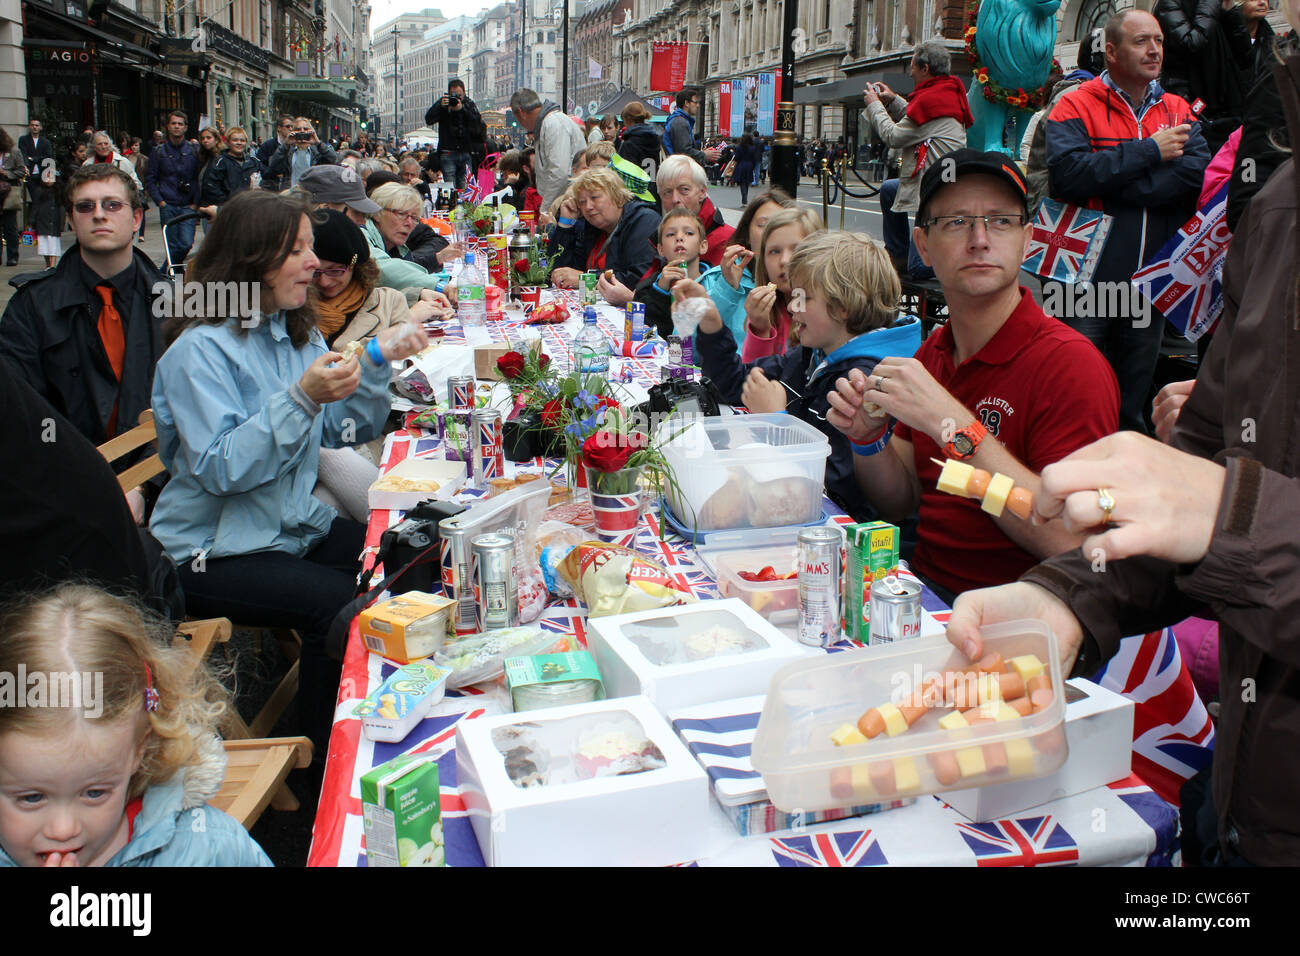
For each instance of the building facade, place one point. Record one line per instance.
(389, 45)
(596, 51)
(530, 56)
(427, 68)
(488, 35)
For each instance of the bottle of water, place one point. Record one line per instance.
(590, 347)
(470, 289)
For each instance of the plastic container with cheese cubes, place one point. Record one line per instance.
(809, 701)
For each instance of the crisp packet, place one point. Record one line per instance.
(615, 580)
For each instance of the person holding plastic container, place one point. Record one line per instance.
(242, 406)
(849, 322)
(1206, 521)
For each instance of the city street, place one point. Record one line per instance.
(860, 215)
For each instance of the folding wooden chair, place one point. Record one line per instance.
(127, 442)
(255, 776)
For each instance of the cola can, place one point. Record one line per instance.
(819, 586)
(496, 594)
(895, 610)
(460, 392)
(488, 447)
(457, 583)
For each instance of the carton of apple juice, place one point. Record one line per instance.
(402, 812)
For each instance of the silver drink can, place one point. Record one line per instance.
(895, 610)
(496, 595)
(457, 583)
(488, 446)
(460, 392)
(819, 586)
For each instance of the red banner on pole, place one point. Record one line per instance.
(724, 108)
(668, 66)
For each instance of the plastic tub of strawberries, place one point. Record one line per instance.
(912, 718)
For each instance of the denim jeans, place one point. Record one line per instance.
(276, 589)
(454, 167)
(1132, 352)
(898, 234)
(179, 238)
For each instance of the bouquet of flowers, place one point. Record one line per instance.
(478, 217)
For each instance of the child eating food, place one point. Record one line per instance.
(767, 307)
(849, 320)
(115, 766)
(681, 243)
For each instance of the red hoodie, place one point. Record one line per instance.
(938, 97)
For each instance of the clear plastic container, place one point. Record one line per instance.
(746, 471)
(810, 700)
(777, 601)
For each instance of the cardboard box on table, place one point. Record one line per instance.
(627, 667)
(654, 818)
(1099, 736)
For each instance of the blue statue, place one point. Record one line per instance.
(1014, 40)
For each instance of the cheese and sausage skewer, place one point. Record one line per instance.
(995, 492)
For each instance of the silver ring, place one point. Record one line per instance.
(880, 383)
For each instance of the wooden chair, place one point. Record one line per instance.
(127, 442)
(255, 776)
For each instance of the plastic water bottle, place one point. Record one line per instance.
(470, 287)
(590, 347)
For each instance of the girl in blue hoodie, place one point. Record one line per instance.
(849, 318)
(108, 750)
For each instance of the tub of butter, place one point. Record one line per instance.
(404, 699)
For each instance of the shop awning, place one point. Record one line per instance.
(849, 88)
(340, 93)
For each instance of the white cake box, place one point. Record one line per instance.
(695, 654)
(569, 814)
(1099, 736)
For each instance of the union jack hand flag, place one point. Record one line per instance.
(1066, 241)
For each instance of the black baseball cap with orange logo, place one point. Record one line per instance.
(952, 166)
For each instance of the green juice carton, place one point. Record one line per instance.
(872, 555)
(402, 811)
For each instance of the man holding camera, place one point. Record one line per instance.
(460, 133)
(299, 153)
(172, 182)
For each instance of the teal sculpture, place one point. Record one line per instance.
(1010, 48)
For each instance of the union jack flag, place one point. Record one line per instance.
(1184, 279)
(1066, 241)
(1155, 813)
(1026, 841)
(1173, 736)
(855, 848)
(472, 194)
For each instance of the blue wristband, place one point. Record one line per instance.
(442, 283)
(877, 445)
(566, 223)
(375, 353)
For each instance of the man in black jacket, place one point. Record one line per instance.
(265, 152)
(87, 333)
(35, 149)
(1207, 46)
(460, 133)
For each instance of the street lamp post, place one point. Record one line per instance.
(785, 161)
(395, 124)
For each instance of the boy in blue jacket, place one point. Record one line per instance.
(849, 320)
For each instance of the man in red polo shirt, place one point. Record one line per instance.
(1002, 386)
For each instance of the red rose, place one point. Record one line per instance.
(552, 413)
(604, 401)
(521, 266)
(483, 224)
(511, 364)
(543, 361)
(605, 451)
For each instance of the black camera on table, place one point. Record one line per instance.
(415, 537)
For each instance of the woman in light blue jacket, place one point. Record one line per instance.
(243, 399)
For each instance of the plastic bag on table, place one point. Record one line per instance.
(517, 511)
(555, 540)
(481, 657)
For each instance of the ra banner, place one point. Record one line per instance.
(737, 107)
(1184, 279)
(668, 66)
(724, 108)
(766, 103)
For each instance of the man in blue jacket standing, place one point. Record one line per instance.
(679, 131)
(172, 182)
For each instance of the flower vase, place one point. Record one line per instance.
(575, 473)
(616, 499)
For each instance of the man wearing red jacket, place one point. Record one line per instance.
(1121, 144)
